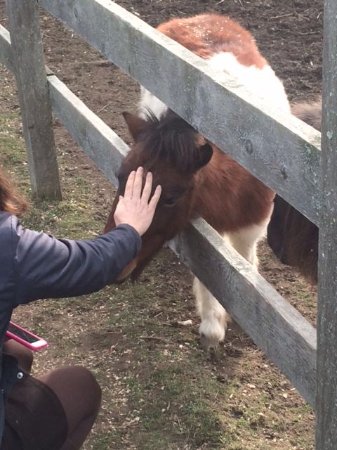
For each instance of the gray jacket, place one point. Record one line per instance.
(35, 265)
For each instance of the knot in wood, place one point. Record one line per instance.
(284, 173)
(248, 146)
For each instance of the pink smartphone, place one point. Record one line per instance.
(25, 337)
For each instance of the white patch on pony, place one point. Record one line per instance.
(262, 82)
(150, 103)
(246, 239)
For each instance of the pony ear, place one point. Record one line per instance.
(205, 155)
(135, 124)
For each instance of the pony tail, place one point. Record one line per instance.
(10, 200)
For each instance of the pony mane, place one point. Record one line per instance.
(170, 139)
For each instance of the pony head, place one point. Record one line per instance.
(174, 152)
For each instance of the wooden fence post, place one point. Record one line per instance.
(30, 73)
(326, 397)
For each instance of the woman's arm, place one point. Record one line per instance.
(49, 267)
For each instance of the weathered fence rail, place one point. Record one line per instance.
(280, 150)
(99, 142)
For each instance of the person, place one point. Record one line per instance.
(57, 410)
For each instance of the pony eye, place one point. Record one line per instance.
(172, 197)
(170, 201)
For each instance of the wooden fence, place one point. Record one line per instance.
(280, 150)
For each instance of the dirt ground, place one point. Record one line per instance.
(289, 34)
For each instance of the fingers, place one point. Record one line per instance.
(138, 183)
(147, 187)
(134, 188)
(146, 194)
(155, 198)
(129, 185)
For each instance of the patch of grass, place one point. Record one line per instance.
(12, 151)
(177, 405)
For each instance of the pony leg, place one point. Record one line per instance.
(213, 316)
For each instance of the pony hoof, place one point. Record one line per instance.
(214, 354)
(209, 344)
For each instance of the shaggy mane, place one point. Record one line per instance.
(171, 139)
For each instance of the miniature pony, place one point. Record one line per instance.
(292, 237)
(197, 178)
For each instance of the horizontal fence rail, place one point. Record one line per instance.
(278, 149)
(98, 140)
(275, 326)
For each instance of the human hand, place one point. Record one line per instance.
(135, 207)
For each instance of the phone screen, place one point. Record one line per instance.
(22, 334)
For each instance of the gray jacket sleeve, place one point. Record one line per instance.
(49, 267)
